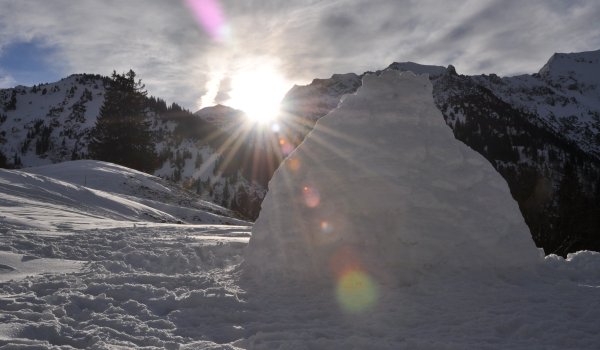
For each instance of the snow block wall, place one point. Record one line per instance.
(381, 188)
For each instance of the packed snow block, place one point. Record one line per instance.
(381, 187)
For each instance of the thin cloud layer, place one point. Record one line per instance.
(178, 60)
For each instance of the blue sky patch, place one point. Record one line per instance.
(30, 63)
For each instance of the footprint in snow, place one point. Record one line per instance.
(29, 258)
(6, 268)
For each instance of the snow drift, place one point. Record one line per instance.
(88, 194)
(381, 188)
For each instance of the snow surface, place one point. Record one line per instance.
(16, 266)
(170, 286)
(89, 194)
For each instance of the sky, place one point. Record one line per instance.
(237, 52)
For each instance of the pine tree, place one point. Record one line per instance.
(11, 104)
(3, 160)
(571, 208)
(17, 164)
(122, 134)
(226, 194)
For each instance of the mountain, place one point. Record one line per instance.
(53, 122)
(222, 116)
(48, 123)
(540, 131)
(302, 106)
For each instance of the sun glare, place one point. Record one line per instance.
(258, 93)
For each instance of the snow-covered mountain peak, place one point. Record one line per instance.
(417, 68)
(344, 79)
(575, 70)
(564, 96)
(320, 96)
(221, 116)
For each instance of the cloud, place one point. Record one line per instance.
(6, 81)
(224, 89)
(305, 39)
(161, 42)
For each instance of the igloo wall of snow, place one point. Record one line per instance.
(381, 186)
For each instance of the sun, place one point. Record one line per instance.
(258, 92)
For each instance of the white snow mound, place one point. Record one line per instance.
(88, 194)
(382, 186)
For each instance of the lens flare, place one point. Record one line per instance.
(345, 259)
(311, 197)
(293, 164)
(286, 147)
(356, 291)
(326, 227)
(209, 15)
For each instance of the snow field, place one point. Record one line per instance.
(89, 194)
(179, 287)
(142, 287)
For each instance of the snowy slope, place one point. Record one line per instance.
(129, 183)
(17, 266)
(320, 96)
(416, 68)
(61, 113)
(91, 194)
(580, 69)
